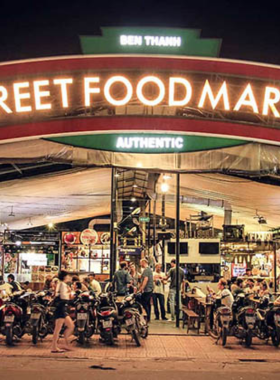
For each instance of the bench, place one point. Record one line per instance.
(191, 319)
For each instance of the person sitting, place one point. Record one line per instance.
(224, 293)
(94, 284)
(77, 287)
(239, 287)
(5, 288)
(76, 278)
(250, 284)
(264, 291)
(14, 284)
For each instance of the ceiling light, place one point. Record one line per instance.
(50, 225)
(133, 199)
(164, 187)
(18, 243)
(166, 176)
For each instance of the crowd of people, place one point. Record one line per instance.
(229, 289)
(151, 286)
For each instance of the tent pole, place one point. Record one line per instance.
(177, 250)
(112, 237)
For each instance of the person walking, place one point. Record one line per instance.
(158, 293)
(172, 289)
(121, 280)
(62, 296)
(146, 287)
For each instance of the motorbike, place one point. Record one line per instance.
(268, 321)
(107, 318)
(15, 316)
(219, 329)
(85, 316)
(131, 316)
(244, 319)
(41, 320)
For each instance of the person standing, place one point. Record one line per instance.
(146, 287)
(62, 296)
(158, 293)
(94, 284)
(172, 289)
(121, 280)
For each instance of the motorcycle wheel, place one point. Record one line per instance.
(248, 338)
(136, 336)
(35, 335)
(224, 336)
(144, 332)
(109, 339)
(81, 338)
(9, 336)
(275, 337)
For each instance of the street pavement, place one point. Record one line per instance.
(166, 357)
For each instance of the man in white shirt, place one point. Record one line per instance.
(224, 293)
(158, 293)
(94, 284)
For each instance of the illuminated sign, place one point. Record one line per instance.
(34, 258)
(130, 143)
(132, 40)
(51, 96)
(156, 96)
(151, 40)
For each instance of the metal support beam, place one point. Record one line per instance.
(275, 266)
(177, 249)
(112, 221)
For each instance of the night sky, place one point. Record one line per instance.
(46, 28)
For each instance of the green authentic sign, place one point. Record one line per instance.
(145, 219)
(147, 142)
(151, 41)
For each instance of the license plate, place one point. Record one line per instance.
(35, 315)
(9, 318)
(82, 316)
(250, 320)
(129, 322)
(107, 324)
(225, 318)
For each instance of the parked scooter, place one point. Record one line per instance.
(15, 316)
(221, 321)
(131, 315)
(107, 318)
(268, 321)
(85, 316)
(40, 319)
(244, 319)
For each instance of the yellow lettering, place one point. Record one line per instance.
(63, 82)
(3, 97)
(142, 83)
(207, 91)
(89, 90)
(250, 101)
(172, 83)
(39, 94)
(20, 96)
(107, 93)
(270, 102)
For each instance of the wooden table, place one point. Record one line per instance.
(207, 306)
(202, 304)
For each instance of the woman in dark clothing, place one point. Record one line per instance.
(62, 295)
